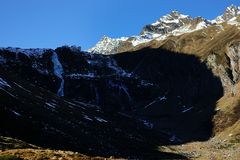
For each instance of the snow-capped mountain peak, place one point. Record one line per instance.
(176, 15)
(173, 17)
(106, 45)
(230, 12)
(172, 24)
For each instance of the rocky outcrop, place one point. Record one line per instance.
(229, 72)
(233, 53)
(221, 71)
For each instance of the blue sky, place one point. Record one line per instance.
(53, 23)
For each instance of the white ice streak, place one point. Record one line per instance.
(101, 119)
(58, 71)
(22, 87)
(147, 123)
(186, 110)
(4, 84)
(87, 118)
(16, 113)
(51, 105)
(156, 100)
(162, 98)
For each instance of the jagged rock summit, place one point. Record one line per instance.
(230, 13)
(172, 24)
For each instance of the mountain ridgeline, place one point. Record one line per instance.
(175, 83)
(170, 94)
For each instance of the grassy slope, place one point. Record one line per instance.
(12, 149)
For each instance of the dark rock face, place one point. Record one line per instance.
(149, 95)
(35, 69)
(186, 89)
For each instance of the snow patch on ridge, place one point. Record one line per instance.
(80, 75)
(27, 52)
(234, 21)
(106, 45)
(201, 25)
(144, 38)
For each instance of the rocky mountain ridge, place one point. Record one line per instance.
(84, 100)
(172, 24)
